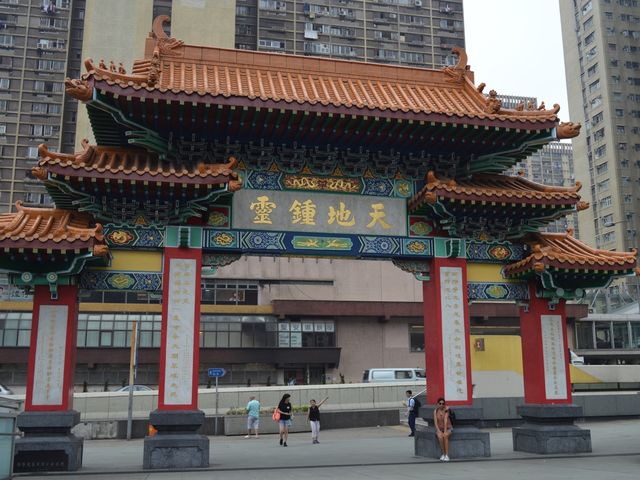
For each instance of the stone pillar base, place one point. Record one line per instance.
(48, 444)
(466, 441)
(550, 429)
(176, 445)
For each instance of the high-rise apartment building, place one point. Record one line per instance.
(407, 32)
(40, 45)
(553, 165)
(44, 41)
(601, 40)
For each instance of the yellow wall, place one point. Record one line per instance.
(501, 352)
(113, 30)
(484, 272)
(130, 260)
(210, 23)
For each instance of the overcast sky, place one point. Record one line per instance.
(515, 47)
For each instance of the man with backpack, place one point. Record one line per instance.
(413, 408)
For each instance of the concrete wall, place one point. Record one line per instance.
(203, 22)
(99, 42)
(113, 405)
(352, 280)
(387, 346)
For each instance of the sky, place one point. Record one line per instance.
(515, 47)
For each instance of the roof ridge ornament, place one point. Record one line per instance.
(457, 72)
(166, 45)
(568, 130)
(80, 89)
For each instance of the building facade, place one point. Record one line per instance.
(41, 44)
(406, 32)
(601, 40)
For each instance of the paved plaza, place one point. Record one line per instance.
(383, 453)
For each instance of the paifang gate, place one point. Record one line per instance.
(208, 154)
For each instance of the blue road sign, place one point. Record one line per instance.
(216, 372)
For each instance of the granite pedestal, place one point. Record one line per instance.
(466, 440)
(550, 429)
(48, 444)
(176, 445)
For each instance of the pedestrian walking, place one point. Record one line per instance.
(253, 416)
(286, 415)
(443, 428)
(314, 419)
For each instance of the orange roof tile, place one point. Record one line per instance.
(47, 227)
(137, 163)
(496, 188)
(170, 67)
(563, 251)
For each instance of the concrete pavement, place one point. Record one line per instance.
(384, 452)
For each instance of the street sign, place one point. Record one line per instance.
(216, 372)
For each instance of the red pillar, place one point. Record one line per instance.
(545, 352)
(52, 355)
(180, 346)
(446, 331)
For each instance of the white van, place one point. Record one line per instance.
(393, 375)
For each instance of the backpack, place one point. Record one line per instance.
(452, 417)
(416, 406)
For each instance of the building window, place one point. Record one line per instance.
(609, 237)
(5, 83)
(602, 168)
(607, 220)
(272, 44)
(598, 135)
(606, 202)
(51, 65)
(15, 329)
(3, 128)
(589, 39)
(416, 338)
(32, 152)
(603, 186)
(584, 336)
(3, 105)
(6, 41)
(47, 87)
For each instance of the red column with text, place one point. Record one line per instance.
(545, 352)
(52, 355)
(180, 343)
(446, 331)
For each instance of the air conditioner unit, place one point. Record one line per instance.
(312, 15)
(417, 3)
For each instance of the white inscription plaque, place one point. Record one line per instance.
(555, 374)
(454, 339)
(178, 379)
(51, 344)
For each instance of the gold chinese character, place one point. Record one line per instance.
(303, 213)
(378, 216)
(342, 216)
(263, 208)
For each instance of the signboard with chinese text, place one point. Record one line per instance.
(555, 375)
(319, 212)
(48, 375)
(180, 327)
(454, 339)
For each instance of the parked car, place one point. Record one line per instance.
(393, 375)
(5, 391)
(575, 359)
(136, 388)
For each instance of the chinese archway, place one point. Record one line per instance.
(207, 154)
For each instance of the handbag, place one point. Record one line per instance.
(276, 415)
